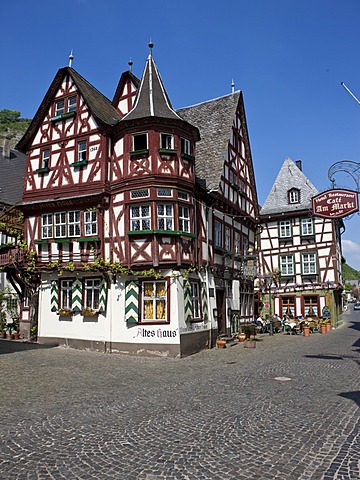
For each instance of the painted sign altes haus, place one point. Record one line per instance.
(300, 252)
(130, 207)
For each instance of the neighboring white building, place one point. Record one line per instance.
(300, 255)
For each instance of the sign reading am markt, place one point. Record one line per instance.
(335, 203)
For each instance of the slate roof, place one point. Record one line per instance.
(11, 177)
(100, 106)
(151, 99)
(290, 176)
(214, 119)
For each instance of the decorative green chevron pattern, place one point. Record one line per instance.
(76, 295)
(188, 307)
(131, 301)
(54, 294)
(103, 296)
(204, 301)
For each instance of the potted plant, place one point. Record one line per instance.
(306, 329)
(246, 330)
(220, 342)
(241, 336)
(323, 327)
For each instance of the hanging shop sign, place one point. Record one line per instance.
(335, 203)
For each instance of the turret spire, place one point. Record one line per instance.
(71, 58)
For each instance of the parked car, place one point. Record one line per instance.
(357, 306)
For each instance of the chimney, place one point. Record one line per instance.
(6, 147)
(298, 163)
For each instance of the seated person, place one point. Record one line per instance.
(261, 323)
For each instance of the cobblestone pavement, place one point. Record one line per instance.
(288, 409)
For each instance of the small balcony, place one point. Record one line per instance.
(10, 255)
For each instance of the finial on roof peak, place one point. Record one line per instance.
(71, 58)
(232, 86)
(130, 63)
(151, 46)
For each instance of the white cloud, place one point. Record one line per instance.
(351, 252)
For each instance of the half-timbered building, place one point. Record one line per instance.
(142, 217)
(300, 254)
(12, 165)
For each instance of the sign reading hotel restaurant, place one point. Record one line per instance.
(335, 203)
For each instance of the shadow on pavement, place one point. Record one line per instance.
(355, 396)
(325, 357)
(8, 346)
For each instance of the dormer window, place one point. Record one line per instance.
(166, 141)
(294, 196)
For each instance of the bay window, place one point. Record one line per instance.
(184, 219)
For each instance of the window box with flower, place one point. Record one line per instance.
(89, 312)
(65, 312)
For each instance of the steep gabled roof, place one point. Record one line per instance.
(119, 89)
(289, 177)
(11, 177)
(100, 106)
(214, 119)
(152, 99)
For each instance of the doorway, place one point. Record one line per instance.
(221, 315)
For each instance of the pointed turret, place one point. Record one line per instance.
(152, 99)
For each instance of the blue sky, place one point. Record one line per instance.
(287, 56)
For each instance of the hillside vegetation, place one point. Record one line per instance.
(12, 126)
(350, 273)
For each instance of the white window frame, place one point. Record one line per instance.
(307, 226)
(90, 222)
(45, 158)
(71, 103)
(185, 146)
(92, 293)
(196, 300)
(294, 196)
(184, 218)
(73, 221)
(285, 229)
(60, 229)
(309, 263)
(155, 299)
(287, 265)
(165, 216)
(143, 219)
(59, 107)
(66, 293)
(46, 225)
(167, 141)
(82, 151)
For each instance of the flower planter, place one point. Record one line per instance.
(16, 336)
(65, 313)
(306, 331)
(328, 327)
(88, 313)
(249, 344)
(323, 329)
(221, 343)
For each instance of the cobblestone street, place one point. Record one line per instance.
(288, 409)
